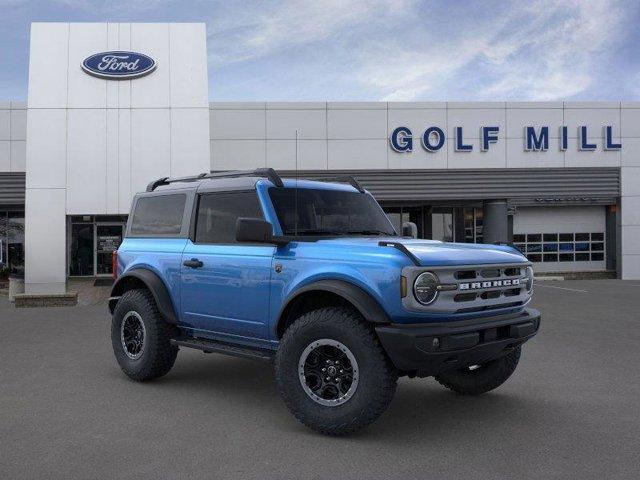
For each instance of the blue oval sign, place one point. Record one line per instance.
(118, 65)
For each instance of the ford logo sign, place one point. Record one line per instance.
(118, 65)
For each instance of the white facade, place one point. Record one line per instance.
(88, 144)
(13, 136)
(92, 143)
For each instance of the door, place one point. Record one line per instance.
(225, 285)
(108, 239)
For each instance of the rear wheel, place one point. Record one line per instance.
(478, 379)
(333, 373)
(141, 338)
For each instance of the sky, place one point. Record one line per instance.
(377, 50)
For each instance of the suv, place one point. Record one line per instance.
(312, 276)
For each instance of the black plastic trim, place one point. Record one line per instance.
(368, 307)
(432, 348)
(155, 285)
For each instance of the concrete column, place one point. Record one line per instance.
(496, 226)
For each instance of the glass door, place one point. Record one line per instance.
(108, 238)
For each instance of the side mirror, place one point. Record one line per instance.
(255, 230)
(409, 229)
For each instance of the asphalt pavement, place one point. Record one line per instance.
(571, 410)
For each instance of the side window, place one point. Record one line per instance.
(158, 215)
(218, 212)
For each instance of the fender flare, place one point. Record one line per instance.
(368, 306)
(153, 283)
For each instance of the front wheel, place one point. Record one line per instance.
(332, 372)
(478, 379)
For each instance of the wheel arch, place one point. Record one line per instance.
(324, 293)
(144, 278)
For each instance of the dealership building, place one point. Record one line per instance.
(113, 106)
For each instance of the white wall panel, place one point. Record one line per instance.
(47, 148)
(630, 153)
(598, 158)
(124, 161)
(312, 154)
(311, 124)
(472, 119)
(630, 211)
(124, 86)
(111, 161)
(18, 124)
(237, 154)
(86, 91)
(152, 91)
(630, 239)
(592, 118)
(189, 141)
(45, 241)
(113, 43)
(18, 156)
(357, 124)
(355, 154)
(188, 56)
(630, 267)
(517, 157)
(5, 156)
(5, 124)
(630, 120)
(86, 161)
(518, 118)
(150, 146)
(48, 63)
(630, 181)
(237, 124)
(495, 157)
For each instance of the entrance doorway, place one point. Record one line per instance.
(92, 241)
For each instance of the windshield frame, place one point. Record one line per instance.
(330, 232)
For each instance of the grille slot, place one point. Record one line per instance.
(490, 273)
(465, 297)
(513, 292)
(465, 274)
(490, 294)
(484, 308)
(512, 271)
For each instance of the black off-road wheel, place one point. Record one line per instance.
(479, 379)
(141, 338)
(332, 372)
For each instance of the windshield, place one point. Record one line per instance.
(328, 212)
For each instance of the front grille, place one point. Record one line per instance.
(473, 288)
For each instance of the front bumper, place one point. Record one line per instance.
(428, 349)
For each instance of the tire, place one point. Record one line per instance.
(156, 355)
(376, 377)
(483, 379)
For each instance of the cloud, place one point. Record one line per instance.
(542, 51)
(260, 29)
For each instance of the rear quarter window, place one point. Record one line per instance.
(158, 215)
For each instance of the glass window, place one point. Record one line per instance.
(328, 212)
(218, 213)
(566, 237)
(15, 241)
(534, 237)
(81, 250)
(158, 215)
(543, 247)
(519, 238)
(581, 237)
(550, 237)
(582, 257)
(597, 237)
(597, 257)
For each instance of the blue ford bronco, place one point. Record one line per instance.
(312, 276)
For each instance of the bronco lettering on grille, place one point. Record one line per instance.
(489, 284)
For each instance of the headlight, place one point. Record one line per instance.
(528, 279)
(425, 288)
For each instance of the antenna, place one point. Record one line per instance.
(295, 208)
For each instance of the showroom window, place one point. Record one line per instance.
(11, 242)
(562, 247)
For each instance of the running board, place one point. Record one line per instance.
(213, 346)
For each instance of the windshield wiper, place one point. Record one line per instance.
(370, 232)
(315, 231)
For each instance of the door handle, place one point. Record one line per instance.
(193, 263)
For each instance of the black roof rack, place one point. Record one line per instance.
(269, 173)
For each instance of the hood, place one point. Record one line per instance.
(436, 253)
